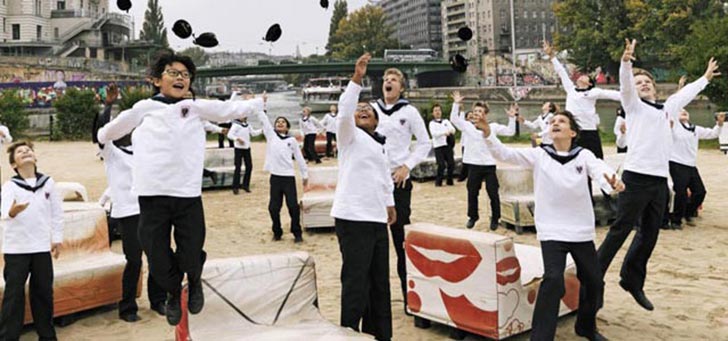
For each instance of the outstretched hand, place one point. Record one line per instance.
(616, 184)
(481, 122)
(360, 68)
(712, 69)
(16, 208)
(628, 54)
(513, 110)
(457, 97)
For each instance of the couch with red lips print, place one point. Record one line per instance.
(318, 197)
(478, 282)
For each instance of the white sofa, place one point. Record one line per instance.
(222, 162)
(318, 197)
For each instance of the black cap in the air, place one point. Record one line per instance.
(465, 33)
(182, 29)
(273, 34)
(458, 63)
(324, 3)
(206, 39)
(124, 5)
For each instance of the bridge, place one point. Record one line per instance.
(376, 67)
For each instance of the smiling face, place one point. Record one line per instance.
(480, 110)
(364, 117)
(645, 87)
(22, 156)
(583, 82)
(561, 128)
(684, 116)
(174, 82)
(281, 126)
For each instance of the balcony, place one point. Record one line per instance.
(70, 13)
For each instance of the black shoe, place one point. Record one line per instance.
(196, 298)
(298, 239)
(247, 190)
(470, 223)
(493, 224)
(174, 311)
(213, 177)
(594, 337)
(638, 296)
(675, 225)
(450, 182)
(462, 179)
(318, 161)
(133, 317)
(438, 184)
(160, 308)
(276, 238)
(236, 191)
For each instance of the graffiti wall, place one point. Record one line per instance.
(42, 94)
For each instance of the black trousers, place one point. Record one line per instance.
(132, 270)
(330, 137)
(590, 140)
(17, 268)
(402, 204)
(644, 197)
(222, 137)
(477, 175)
(309, 148)
(621, 150)
(445, 158)
(546, 311)
(281, 186)
(684, 178)
(365, 293)
(464, 170)
(157, 216)
(240, 156)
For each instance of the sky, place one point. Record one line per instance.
(241, 24)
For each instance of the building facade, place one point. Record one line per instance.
(64, 28)
(416, 23)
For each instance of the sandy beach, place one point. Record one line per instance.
(687, 275)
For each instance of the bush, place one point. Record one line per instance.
(12, 112)
(131, 95)
(75, 112)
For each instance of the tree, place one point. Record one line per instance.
(340, 12)
(12, 112)
(198, 55)
(153, 28)
(364, 30)
(75, 112)
(709, 38)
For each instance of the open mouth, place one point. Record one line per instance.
(178, 86)
(388, 88)
(451, 259)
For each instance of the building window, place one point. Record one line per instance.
(38, 32)
(61, 4)
(36, 8)
(55, 32)
(16, 31)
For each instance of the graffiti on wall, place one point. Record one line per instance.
(42, 94)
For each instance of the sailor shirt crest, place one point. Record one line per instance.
(579, 169)
(185, 111)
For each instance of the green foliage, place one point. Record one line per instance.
(340, 12)
(130, 96)
(198, 55)
(709, 38)
(363, 31)
(153, 28)
(12, 112)
(75, 112)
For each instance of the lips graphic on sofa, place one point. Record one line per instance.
(459, 258)
(467, 316)
(508, 270)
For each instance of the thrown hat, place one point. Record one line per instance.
(182, 29)
(324, 3)
(273, 34)
(206, 39)
(124, 5)
(465, 33)
(458, 63)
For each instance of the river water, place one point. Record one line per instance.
(287, 104)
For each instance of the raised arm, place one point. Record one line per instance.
(126, 121)
(268, 130)
(598, 93)
(627, 90)
(211, 128)
(686, 94)
(219, 111)
(6, 137)
(566, 81)
(525, 157)
(345, 121)
(255, 132)
(456, 117)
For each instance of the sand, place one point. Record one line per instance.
(686, 275)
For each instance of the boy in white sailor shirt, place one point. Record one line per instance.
(620, 131)
(280, 149)
(443, 140)
(31, 209)
(310, 127)
(363, 206)
(119, 162)
(398, 121)
(581, 99)
(329, 123)
(240, 132)
(683, 170)
(564, 220)
(463, 143)
(646, 170)
(169, 152)
(481, 165)
(541, 123)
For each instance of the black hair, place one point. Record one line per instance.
(553, 108)
(436, 105)
(572, 122)
(482, 105)
(167, 57)
(288, 124)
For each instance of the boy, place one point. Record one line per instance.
(169, 140)
(443, 140)
(329, 122)
(646, 168)
(310, 127)
(564, 220)
(363, 206)
(481, 165)
(240, 132)
(31, 208)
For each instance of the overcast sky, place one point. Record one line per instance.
(241, 24)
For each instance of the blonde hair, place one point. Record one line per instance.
(396, 72)
(642, 72)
